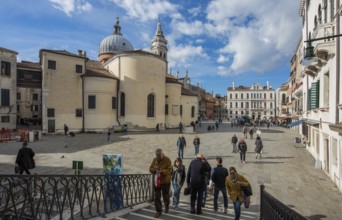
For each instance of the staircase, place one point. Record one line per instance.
(183, 212)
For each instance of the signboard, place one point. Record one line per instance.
(112, 167)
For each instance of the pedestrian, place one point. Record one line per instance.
(258, 147)
(196, 143)
(25, 160)
(258, 133)
(108, 134)
(242, 146)
(196, 180)
(66, 130)
(218, 177)
(177, 179)
(181, 144)
(157, 128)
(180, 127)
(207, 175)
(244, 131)
(234, 141)
(234, 184)
(251, 132)
(161, 168)
(216, 125)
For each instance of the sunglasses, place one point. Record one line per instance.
(233, 173)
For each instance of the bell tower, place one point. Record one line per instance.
(159, 42)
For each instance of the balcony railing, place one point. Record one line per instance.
(70, 196)
(273, 209)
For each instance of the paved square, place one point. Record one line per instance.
(286, 169)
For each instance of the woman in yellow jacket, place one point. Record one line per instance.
(234, 182)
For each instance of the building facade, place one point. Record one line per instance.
(8, 88)
(322, 105)
(255, 101)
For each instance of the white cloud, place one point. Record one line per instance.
(260, 34)
(146, 10)
(71, 6)
(222, 59)
(222, 70)
(191, 29)
(184, 54)
(195, 11)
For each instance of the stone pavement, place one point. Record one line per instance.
(286, 169)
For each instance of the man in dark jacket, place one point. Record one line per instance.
(181, 144)
(219, 179)
(196, 180)
(242, 146)
(234, 141)
(25, 159)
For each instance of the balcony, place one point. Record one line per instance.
(325, 48)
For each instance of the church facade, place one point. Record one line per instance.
(124, 87)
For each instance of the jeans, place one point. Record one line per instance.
(237, 209)
(176, 194)
(204, 197)
(180, 152)
(234, 147)
(243, 156)
(225, 197)
(196, 150)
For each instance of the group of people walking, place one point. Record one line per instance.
(197, 177)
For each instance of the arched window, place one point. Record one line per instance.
(247, 95)
(319, 14)
(264, 95)
(271, 96)
(325, 8)
(241, 95)
(236, 95)
(122, 104)
(230, 95)
(150, 105)
(271, 105)
(231, 105)
(241, 104)
(192, 111)
(236, 104)
(332, 10)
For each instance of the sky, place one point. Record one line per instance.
(218, 41)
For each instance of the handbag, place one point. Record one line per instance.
(247, 191)
(157, 180)
(16, 169)
(247, 201)
(187, 191)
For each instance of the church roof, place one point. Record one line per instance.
(115, 43)
(188, 92)
(95, 68)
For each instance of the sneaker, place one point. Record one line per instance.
(244, 162)
(192, 212)
(241, 161)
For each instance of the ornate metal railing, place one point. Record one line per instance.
(70, 196)
(273, 209)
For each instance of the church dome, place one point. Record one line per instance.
(115, 43)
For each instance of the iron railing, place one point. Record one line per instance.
(273, 209)
(70, 196)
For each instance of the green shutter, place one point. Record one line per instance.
(314, 95)
(309, 100)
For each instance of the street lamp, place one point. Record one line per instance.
(310, 57)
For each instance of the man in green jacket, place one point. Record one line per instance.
(161, 168)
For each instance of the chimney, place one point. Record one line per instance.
(80, 52)
(233, 85)
(85, 54)
(267, 86)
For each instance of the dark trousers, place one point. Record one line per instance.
(22, 168)
(165, 191)
(224, 194)
(196, 193)
(243, 156)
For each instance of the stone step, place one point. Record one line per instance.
(183, 212)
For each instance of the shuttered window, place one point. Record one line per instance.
(313, 96)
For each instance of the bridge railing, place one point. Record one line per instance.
(273, 209)
(70, 196)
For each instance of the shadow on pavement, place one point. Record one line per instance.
(277, 157)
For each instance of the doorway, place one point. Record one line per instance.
(326, 155)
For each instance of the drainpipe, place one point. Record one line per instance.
(83, 103)
(118, 91)
(337, 116)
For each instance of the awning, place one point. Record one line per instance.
(296, 123)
